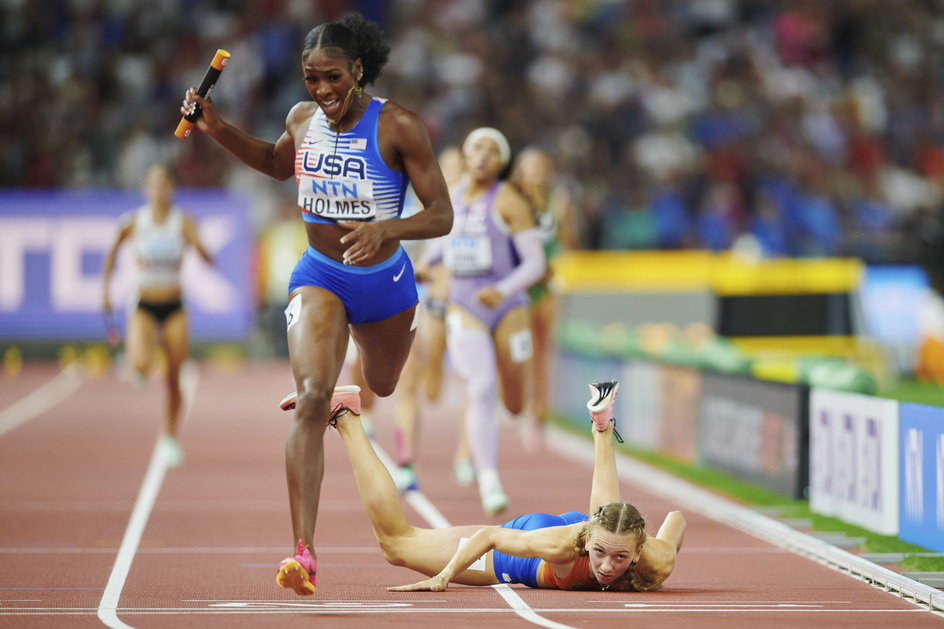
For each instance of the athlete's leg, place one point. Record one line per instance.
(384, 347)
(406, 416)
(141, 340)
(473, 354)
(354, 367)
(176, 344)
(514, 352)
(437, 300)
(435, 355)
(463, 468)
(378, 493)
(424, 550)
(543, 319)
(317, 338)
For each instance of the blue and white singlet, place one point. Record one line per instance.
(342, 176)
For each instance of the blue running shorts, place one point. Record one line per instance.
(369, 293)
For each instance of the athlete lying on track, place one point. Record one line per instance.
(607, 551)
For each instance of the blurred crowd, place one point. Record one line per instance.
(775, 128)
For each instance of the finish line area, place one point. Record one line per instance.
(97, 533)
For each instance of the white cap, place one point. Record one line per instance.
(492, 134)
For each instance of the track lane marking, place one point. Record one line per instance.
(225, 609)
(41, 399)
(147, 495)
(436, 519)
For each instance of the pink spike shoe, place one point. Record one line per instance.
(346, 398)
(298, 572)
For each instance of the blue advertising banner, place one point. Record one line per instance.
(52, 249)
(922, 475)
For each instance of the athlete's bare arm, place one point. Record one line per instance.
(124, 232)
(516, 212)
(192, 238)
(660, 552)
(274, 159)
(604, 488)
(553, 544)
(514, 209)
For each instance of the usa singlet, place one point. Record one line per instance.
(342, 176)
(158, 248)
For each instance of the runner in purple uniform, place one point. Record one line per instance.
(494, 253)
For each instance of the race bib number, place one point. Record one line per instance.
(520, 345)
(468, 255)
(338, 199)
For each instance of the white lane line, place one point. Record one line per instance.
(153, 479)
(328, 610)
(436, 519)
(416, 499)
(522, 609)
(41, 399)
(108, 606)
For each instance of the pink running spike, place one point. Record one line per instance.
(298, 572)
(347, 395)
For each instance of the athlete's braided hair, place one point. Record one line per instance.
(357, 38)
(615, 517)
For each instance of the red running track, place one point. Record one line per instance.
(75, 475)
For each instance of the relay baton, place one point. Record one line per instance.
(206, 86)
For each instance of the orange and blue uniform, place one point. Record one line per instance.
(524, 570)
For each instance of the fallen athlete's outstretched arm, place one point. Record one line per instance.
(553, 544)
(604, 487)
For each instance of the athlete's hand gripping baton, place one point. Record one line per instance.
(206, 86)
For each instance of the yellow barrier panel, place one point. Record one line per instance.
(733, 276)
(724, 273)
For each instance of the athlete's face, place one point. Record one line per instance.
(159, 186)
(534, 170)
(483, 160)
(611, 554)
(329, 76)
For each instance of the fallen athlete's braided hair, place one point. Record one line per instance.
(617, 517)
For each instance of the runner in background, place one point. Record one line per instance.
(493, 254)
(555, 214)
(160, 233)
